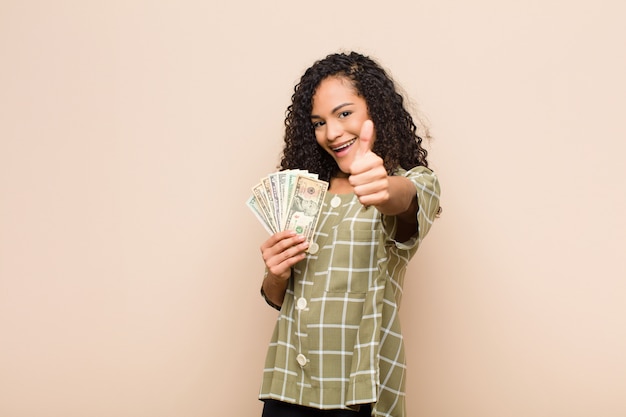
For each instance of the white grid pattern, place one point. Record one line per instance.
(349, 331)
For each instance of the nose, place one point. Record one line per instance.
(334, 130)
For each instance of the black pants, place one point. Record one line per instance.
(273, 408)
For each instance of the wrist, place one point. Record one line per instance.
(273, 289)
(268, 301)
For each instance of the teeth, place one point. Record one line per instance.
(344, 146)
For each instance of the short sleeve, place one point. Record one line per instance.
(428, 190)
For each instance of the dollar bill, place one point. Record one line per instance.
(275, 197)
(288, 200)
(270, 201)
(258, 191)
(253, 204)
(305, 206)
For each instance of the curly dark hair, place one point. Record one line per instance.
(397, 141)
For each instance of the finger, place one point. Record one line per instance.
(281, 248)
(280, 263)
(366, 138)
(374, 199)
(294, 248)
(290, 257)
(276, 238)
(367, 169)
(373, 186)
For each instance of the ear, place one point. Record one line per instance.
(366, 137)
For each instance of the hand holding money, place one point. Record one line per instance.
(281, 252)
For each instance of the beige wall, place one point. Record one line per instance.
(131, 131)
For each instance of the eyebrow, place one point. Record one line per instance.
(315, 116)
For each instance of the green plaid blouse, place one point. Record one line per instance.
(337, 341)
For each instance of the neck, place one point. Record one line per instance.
(340, 185)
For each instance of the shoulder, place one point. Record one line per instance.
(415, 171)
(423, 178)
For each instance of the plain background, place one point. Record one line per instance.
(130, 135)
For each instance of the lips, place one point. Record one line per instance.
(344, 146)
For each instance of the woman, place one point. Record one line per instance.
(337, 348)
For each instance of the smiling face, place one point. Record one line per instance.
(337, 115)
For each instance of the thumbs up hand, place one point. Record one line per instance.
(368, 175)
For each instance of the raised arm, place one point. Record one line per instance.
(391, 195)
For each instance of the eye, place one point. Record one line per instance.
(317, 124)
(345, 113)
